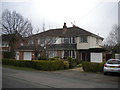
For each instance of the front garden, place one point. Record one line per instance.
(55, 63)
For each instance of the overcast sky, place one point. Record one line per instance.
(96, 16)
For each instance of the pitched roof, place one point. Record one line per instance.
(71, 31)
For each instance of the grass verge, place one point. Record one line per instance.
(19, 68)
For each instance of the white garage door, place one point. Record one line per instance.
(27, 56)
(96, 57)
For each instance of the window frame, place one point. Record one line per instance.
(83, 39)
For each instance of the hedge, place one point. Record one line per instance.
(37, 64)
(92, 67)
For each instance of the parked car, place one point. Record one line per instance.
(112, 65)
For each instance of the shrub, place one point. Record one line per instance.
(18, 63)
(92, 67)
(101, 65)
(49, 65)
(54, 58)
(66, 64)
(37, 64)
(79, 65)
(42, 57)
(72, 62)
(7, 54)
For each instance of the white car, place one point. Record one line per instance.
(112, 65)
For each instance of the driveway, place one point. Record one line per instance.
(56, 79)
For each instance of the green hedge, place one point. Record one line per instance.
(48, 65)
(92, 67)
(37, 64)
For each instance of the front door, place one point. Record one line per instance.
(83, 56)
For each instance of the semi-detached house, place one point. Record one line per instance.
(67, 41)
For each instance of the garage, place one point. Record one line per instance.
(27, 56)
(96, 57)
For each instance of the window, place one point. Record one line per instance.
(97, 41)
(30, 42)
(5, 44)
(73, 39)
(42, 41)
(113, 62)
(66, 40)
(52, 40)
(52, 54)
(83, 39)
(70, 53)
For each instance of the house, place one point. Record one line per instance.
(25, 53)
(68, 41)
(5, 46)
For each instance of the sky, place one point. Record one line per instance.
(96, 16)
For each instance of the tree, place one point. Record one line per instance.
(14, 23)
(15, 26)
(113, 40)
(42, 44)
(114, 37)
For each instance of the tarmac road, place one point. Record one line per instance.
(12, 78)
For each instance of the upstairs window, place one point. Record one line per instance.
(66, 40)
(53, 40)
(83, 39)
(73, 40)
(5, 44)
(30, 42)
(97, 41)
(42, 41)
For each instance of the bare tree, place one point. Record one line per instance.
(14, 23)
(15, 26)
(114, 37)
(112, 42)
(42, 45)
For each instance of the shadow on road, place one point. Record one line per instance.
(113, 74)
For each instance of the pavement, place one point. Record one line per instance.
(77, 69)
(73, 78)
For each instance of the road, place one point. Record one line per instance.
(12, 78)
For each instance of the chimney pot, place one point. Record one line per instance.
(64, 28)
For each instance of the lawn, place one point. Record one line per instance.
(19, 68)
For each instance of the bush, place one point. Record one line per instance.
(79, 65)
(7, 54)
(18, 63)
(92, 67)
(37, 64)
(72, 62)
(42, 57)
(101, 65)
(54, 58)
(66, 65)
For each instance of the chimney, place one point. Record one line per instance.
(64, 28)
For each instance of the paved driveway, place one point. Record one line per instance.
(57, 79)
